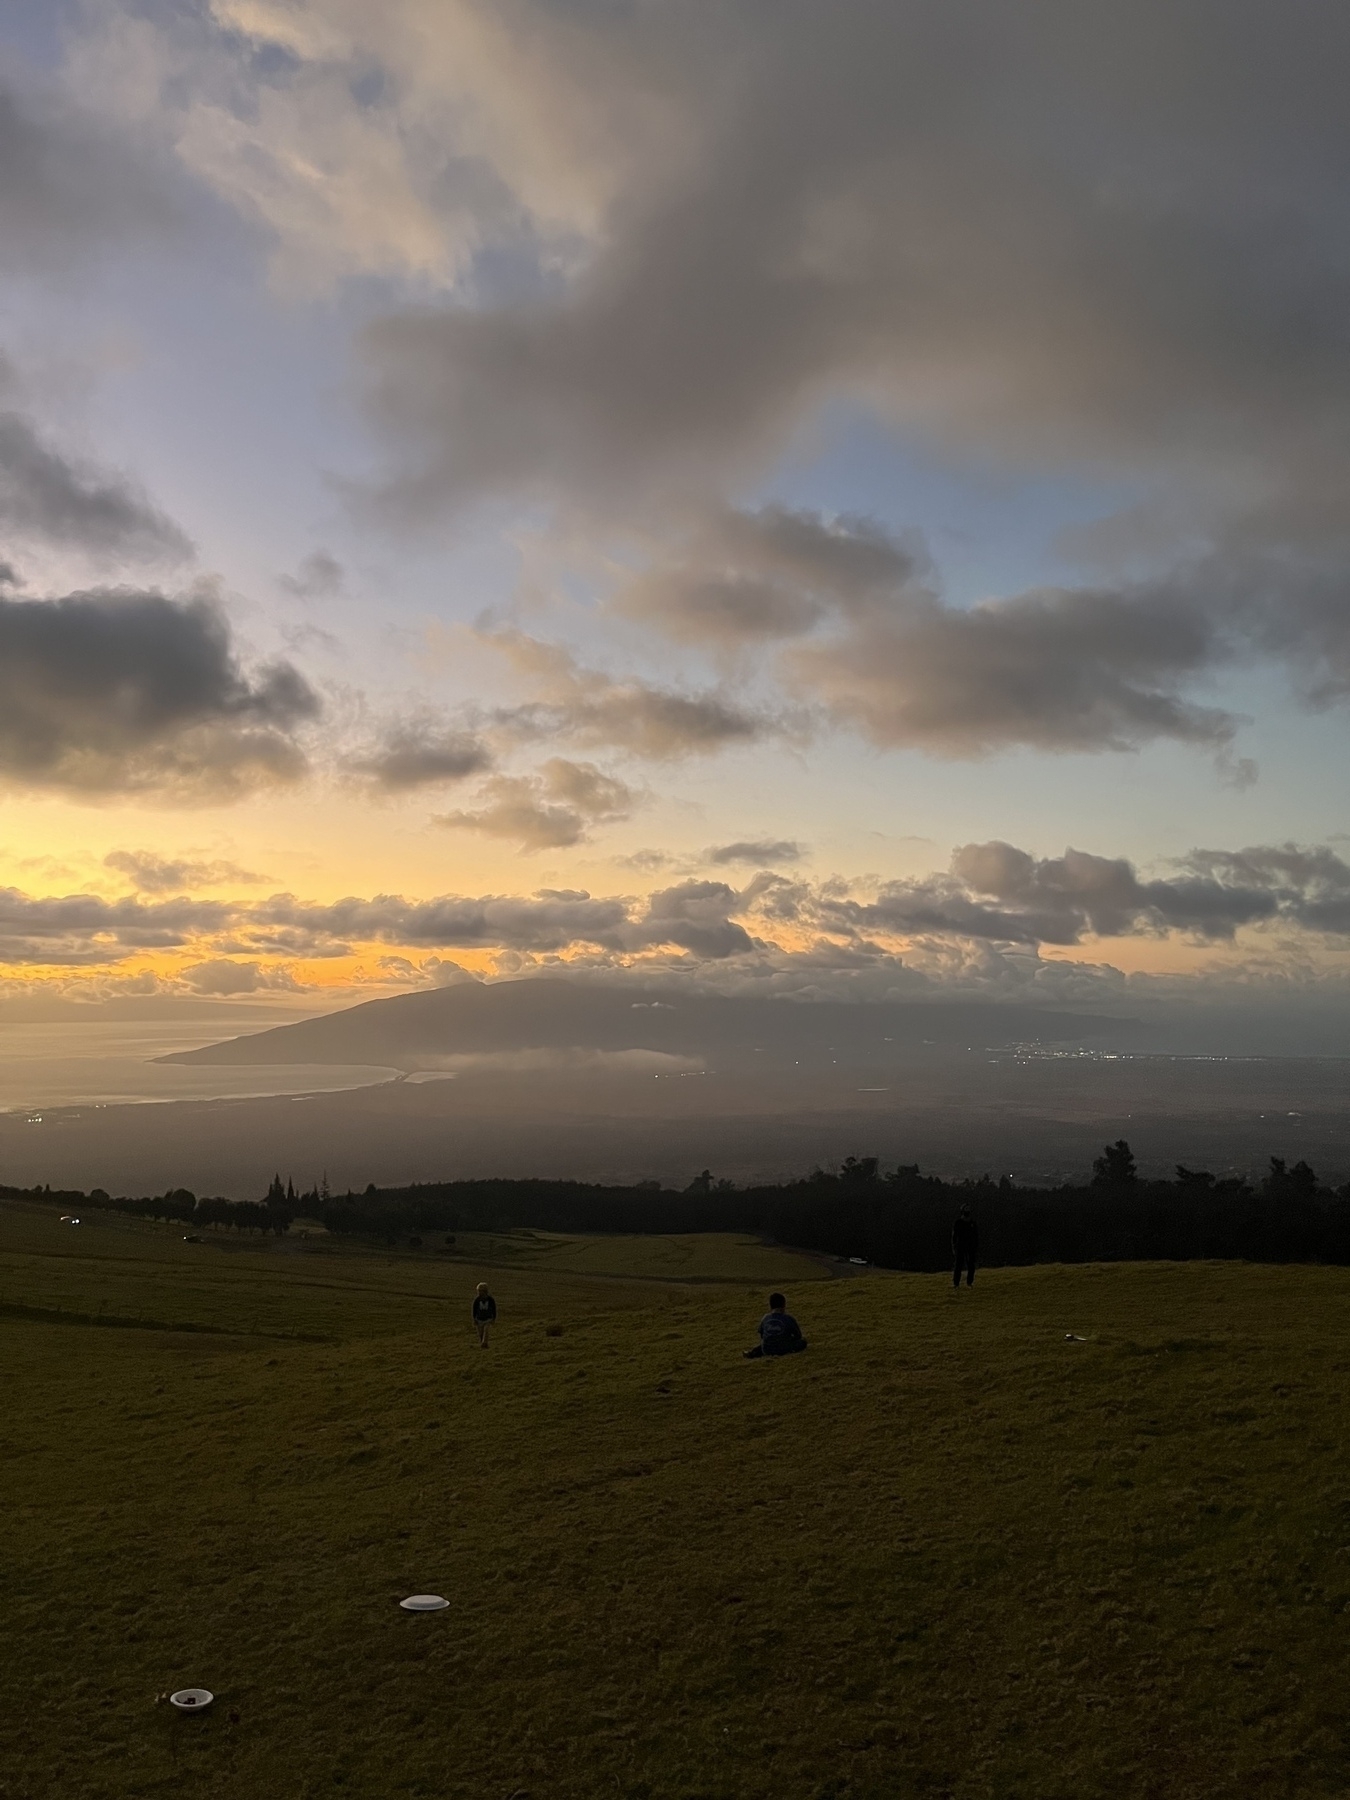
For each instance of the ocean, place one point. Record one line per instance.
(111, 1063)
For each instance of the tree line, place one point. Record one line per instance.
(274, 1214)
(897, 1218)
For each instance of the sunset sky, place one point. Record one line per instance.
(842, 499)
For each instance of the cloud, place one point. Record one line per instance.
(647, 249)
(1000, 229)
(319, 577)
(592, 708)
(696, 917)
(646, 862)
(762, 850)
(994, 899)
(153, 874)
(323, 175)
(542, 923)
(850, 618)
(422, 753)
(68, 182)
(56, 500)
(432, 971)
(81, 928)
(1275, 911)
(1059, 670)
(996, 231)
(129, 692)
(222, 975)
(399, 148)
(548, 811)
(997, 892)
(1309, 885)
(735, 578)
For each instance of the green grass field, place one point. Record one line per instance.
(946, 1553)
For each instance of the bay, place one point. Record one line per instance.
(111, 1063)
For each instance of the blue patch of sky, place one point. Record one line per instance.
(368, 88)
(1150, 804)
(269, 61)
(991, 528)
(36, 30)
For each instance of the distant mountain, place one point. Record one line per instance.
(423, 1030)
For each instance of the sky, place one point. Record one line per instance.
(833, 500)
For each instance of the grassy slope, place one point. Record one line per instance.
(945, 1553)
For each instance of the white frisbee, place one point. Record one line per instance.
(424, 1603)
(192, 1699)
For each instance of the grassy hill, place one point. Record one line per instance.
(949, 1552)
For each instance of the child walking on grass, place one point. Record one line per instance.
(484, 1312)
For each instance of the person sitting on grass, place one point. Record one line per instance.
(484, 1312)
(779, 1332)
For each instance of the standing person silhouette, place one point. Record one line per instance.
(484, 1312)
(965, 1245)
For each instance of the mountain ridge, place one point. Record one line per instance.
(415, 1031)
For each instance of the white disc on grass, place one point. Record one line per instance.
(192, 1699)
(424, 1603)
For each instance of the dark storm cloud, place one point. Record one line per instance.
(56, 499)
(121, 692)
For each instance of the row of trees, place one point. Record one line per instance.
(180, 1205)
(898, 1218)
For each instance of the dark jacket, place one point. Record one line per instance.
(777, 1330)
(484, 1309)
(965, 1237)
